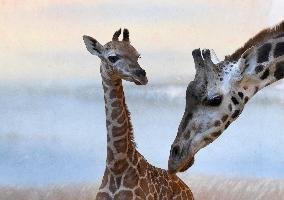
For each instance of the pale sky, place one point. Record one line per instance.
(42, 40)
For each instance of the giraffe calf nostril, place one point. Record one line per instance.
(143, 72)
(140, 72)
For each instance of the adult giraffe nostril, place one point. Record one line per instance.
(175, 152)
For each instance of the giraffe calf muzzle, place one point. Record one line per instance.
(140, 77)
(140, 72)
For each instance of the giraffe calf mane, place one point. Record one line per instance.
(261, 37)
(131, 135)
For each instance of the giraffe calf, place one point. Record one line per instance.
(127, 174)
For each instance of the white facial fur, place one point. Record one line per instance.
(203, 121)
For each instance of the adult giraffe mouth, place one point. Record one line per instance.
(174, 167)
(186, 165)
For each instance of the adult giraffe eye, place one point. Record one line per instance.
(113, 59)
(214, 101)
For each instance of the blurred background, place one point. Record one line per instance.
(52, 121)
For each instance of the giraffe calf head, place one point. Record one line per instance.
(120, 57)
(213, 100)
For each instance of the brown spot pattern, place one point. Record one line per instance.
(119, 166)
(187, 135)
(235, 114)
(263, 53)
(124, 195)
(112, 185)
(230, 107)
(121, 145)
(279, 49)
(144, 185)
(139, 192)
(142, 167)
(265, 74)
(115, 113)
(119, 131)
(115, 103)
(227, 124)
(217, 123)
(224, 118)
(234, 100)
(118, 181)
(216, 134)
(121, 119)
(241, 95)
(103, 196)
(256, 90)
(110, 155)
(131, 178)
(105, 178)
(279, 71)
(259, 68)
(246, 99)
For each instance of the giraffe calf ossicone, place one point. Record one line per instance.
(127, 174)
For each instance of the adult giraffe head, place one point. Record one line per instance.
(220, 90)
(119, 58)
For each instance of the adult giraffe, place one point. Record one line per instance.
(127, 174)
(220, 91)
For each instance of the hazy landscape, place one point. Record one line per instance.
(52, 121)
(56, 135)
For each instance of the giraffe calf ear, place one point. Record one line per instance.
(93, 46)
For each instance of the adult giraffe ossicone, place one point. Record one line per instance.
(127, 174)
(220, 91)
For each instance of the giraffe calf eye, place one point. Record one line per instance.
(113, 59)
(214, 101)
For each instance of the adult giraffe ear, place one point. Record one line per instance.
(200, 76)
(246, 63)
(93, 46)
(214, 57)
